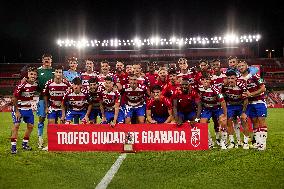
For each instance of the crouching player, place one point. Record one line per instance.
(134, 96)
(94, 93)
(237, 106)
(23, 95)
(158, 108)
(257, 109)
(185, 102)
(213, 105)
(109, 103)
(76, 103)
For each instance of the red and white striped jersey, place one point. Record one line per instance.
(96, 96)
(134, 97)
(24, 93)
(253, 84)
(75, 101)
(218, 80)
(233, 95)
(190, 75)
(85, 77)
(210, 97)
(55, 92)
(109, 99)
(101, 78)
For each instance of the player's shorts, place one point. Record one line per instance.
(26, 115)
(41, 108)
(95, 113)
(71, 114)
(186, 116)
(110, 115)
(54, 114)
(159, 119)
(257, 110)
(135, 111)
(211, 112)
(234, 111)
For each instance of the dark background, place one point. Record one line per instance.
(29, 28)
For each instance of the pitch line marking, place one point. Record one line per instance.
(111, 172)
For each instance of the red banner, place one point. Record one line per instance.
(143, 137)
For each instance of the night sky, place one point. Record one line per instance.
(30, 28)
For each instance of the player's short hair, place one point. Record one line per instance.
(203, 61)
(182, 59)
(58, 67)
(172, 71)
(156, 87)
(31, 69)
(73, 58)
(77, 81)
(89, 59)
(231, 73)
(104, 62)
(242, 61)
(93, 80)
(215, 60)
(46, 55)
(205, 75)
(108, 78)
(232, 57)
(162, 69)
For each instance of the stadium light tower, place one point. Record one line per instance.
(269, 53)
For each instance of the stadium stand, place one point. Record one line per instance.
(272, 70)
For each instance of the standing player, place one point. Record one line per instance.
(72, 72)
(218, 79)
(89, 73)
(53, 93)
(257, 109)
(213, 105)
(129, 69)
(237, 106)
(233, 63)
(151, 74)
(45, 73)
(185, 72)
(109, 103)
(159, 108)
(172, 85)
(121, 77)
(141, 79)
(23, 95)
(134, 96)
(76, 102)
(162, 79)
(185, 102)
(105, 71)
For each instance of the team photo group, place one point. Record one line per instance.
(232, 97)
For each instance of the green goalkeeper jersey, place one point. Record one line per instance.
(43, 76)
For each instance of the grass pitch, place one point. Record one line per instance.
(235, 168)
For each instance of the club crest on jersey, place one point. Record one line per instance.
(195, 137)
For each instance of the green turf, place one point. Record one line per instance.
(235, 168)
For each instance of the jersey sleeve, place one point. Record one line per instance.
(149, 104)
(218, 93)
(18, 90)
